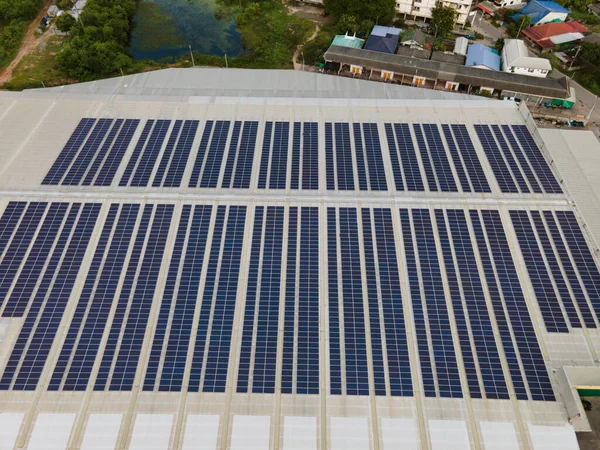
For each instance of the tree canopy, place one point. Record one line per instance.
(378, 11)
(442, 20)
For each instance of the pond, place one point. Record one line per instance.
(165, 28)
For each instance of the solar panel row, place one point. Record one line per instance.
(453, 322)
(516, 160)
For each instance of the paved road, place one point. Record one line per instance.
(584, 97)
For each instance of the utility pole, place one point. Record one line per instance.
(192, 55)
(302, 53)
(574, 57)
(39, 81)
(226, 63)
(520, 28)
(592, 110)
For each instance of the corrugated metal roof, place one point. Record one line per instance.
(480, 55)
(348, 41)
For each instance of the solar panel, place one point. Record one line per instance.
(137, 151)
(470, 158)
(510, 160)
(439, 158)
(310, 156)
(100, 156)
(377, 180)
(404, 159)
(113, 160)
(211, 355)
(200, 156)
(335, 362)
(245, 158)
(497, 163)
(425, 158)
(481, 329)
(525, 167)
(181, 154)
(145, 166)
(537, 160)
(279, 154)
(68, 153)
(214, 157)
(329, 157)
(87, 153)
(456, 159)
(538, 274)
(265, 156)
(166, 157)
(360, 158)
(9, 221)
(296, 143)
(343, 157)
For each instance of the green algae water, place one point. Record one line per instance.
(165, 29)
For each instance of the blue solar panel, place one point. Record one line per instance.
(335, 364)
(396, 343)
(525, 167)
(220, 292)
(456, 159)
(113, 160)
(87, 153)
(135, 156)
(80, 364)
(181, 154)
(570, 272)
(143, 171)
(182, 315)
(462, 325)
(360, 158)
(9, 221)
(31, 270)
(265, 156)
(538, 274)
(310, 156)
(329, 164)
(478, 315)
(115, 330)
(508, 345)
(403, 157)
(532, 360)
(343, 157)
(125, 364)
(497, 163)
(289, 319)
(373, 301)
(245, 158)
(279, 155)
(166, 157)
(444, 356)
(510, 160)
(199, 163)
(214, 157)
(427, 164)
(429, 384)
(357, 377)
(68, 153)
(584, 261)
(101, 154)
(296, 144)
(232, 154)
(536, 159)
(51, 314)
(560, 281)
(15, 253)
(439, 158)
(377, 179)
(470, 158)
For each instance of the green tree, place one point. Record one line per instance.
(347, 24)
(442, 20)
(65, 22)
(379, 11)
(499, 44)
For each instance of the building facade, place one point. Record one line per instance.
(421, 10)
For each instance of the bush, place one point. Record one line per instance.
(65, 22)
(313, 50)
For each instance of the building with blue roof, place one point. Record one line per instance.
(482, 57)
(383, 39)
(542, 12)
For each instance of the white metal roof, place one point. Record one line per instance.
(515, 54)
(566, 37)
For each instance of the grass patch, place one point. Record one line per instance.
(39, 65)
(313, 50)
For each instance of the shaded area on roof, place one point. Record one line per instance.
(416, 36)
(546, 87)
(480, 55)
(436, 56)
(383, 39)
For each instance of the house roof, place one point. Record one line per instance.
(448, 57)
(594, 8)
(348, 41)
(383, 39)
(566, 38)
(515, 54)
(415, 35)
(461, 45)
(541, 34)
(537, 10)
(544, 87)
(480, 55)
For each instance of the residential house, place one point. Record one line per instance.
(555, 35)
(343, 40)
(414, 39)
(516, 59)
(421, 9)
(594, 8)
(482, 57)
(383, 39)
(507, 3)
(542, 12)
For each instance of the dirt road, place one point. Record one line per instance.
(297, 65)
(30, 43)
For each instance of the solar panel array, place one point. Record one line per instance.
(421, 156)
(460, 271)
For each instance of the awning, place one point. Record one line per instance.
(565, 38)
(486, 9)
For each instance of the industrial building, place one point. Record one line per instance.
(253, 260)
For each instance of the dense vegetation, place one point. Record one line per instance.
(14, 18)
(98, 44)
(377, 11)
